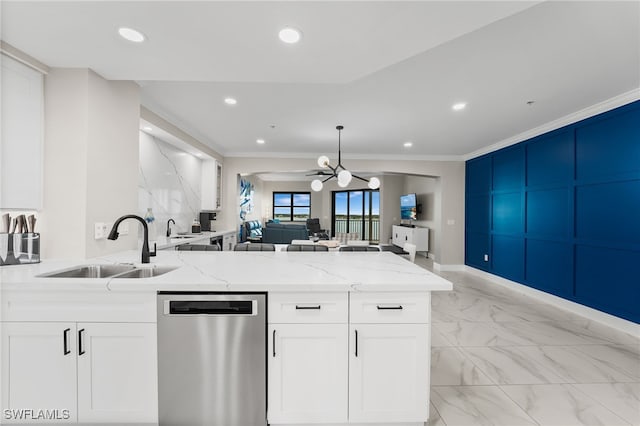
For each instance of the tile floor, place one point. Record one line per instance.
(501, 358)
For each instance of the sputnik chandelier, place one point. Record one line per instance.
(339, 172)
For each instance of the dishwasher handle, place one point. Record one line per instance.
(210, 307)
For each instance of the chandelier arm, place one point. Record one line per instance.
(358, 177)
(329, 178)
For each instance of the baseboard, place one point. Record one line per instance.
(573, 307)
(448, 268)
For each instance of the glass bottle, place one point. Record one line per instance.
(150, 218)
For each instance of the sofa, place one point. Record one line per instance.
(281, 233)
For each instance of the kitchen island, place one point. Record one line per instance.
(348, 335)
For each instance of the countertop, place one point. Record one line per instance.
(240, 271)
(163, 243)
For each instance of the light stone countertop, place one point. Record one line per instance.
(241, 271)
(163, 243)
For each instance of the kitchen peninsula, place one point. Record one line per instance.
(347, 335)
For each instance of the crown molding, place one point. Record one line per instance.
(22, 57)
(310, 155)
(604, 106)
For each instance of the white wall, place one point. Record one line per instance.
(90, 161)
(169, 182)
(429, 195)
(450, 173)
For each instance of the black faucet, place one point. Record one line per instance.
(113, 235)
(169, 228)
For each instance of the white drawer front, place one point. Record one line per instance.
(390, 308)
(308, 308)
(90, 306)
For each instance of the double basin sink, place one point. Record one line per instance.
(109, 271)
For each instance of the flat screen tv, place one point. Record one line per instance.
(408, 207)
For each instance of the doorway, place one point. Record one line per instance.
(356, 211)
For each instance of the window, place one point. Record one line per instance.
(292, 206)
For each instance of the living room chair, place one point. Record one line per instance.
(254, 247)
(313, 225)
(307, 247)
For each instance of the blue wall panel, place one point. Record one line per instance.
(609, 212)
(478, 176)
(550, 159)
(477, 213)
(477, 245)
(608, 147)
(508, 257)
(507, 213)
(577, 190)
(607, 279)
(508, 169)
(549, 266)
(548, 213)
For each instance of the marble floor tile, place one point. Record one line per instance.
(561, 405)
(607, 333)
(449, 366)
(464, 333)
(576, 366)
(621, 398)
(434, 417)
(508, 365)
(550, 333)
(623, 358)
(477, 406)
(438, 339)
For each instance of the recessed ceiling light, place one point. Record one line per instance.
(408, 144)
(230, 101)
(290, 35)
(260, 141)
(459, 106)
(147, 128)
(131, 34)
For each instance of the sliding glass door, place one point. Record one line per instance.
(357, 212)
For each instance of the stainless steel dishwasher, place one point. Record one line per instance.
(212, 359)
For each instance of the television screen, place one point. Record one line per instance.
(408, 207)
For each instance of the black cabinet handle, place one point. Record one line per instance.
(383, 308)
(65, 341)
(308, 307)
(80, 342)
(406, 237)
(274, 343)
(356, 343)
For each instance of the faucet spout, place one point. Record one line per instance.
(146, 254)
(169, 227)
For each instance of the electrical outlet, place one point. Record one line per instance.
(486, 257)
(100, 230)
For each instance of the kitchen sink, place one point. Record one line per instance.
(146, 272)
(90, 271)
(182, 237)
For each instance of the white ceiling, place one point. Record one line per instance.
(388, 71)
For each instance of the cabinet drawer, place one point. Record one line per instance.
(308, 308)
(390, 308)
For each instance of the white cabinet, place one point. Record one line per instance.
(99, 372)
(406, 234)
(389, 373)
(308, 373)
(211, 185)
(22, 126)
(117, 373)
(39, 368)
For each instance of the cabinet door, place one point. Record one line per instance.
(307, 373)
(389, 373)
(39, 369)
(117, 372)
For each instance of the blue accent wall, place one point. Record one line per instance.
(561, 212)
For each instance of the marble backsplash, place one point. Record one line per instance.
(169, 183)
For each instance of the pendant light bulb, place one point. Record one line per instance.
(316, 185)
(344, 177)
(342, 184)
(323, 161)
(374, 183)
